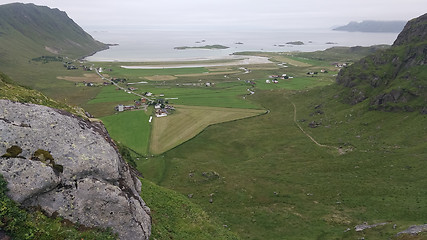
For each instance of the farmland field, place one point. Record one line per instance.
(130, 129)
(188, 121)
(135, 74)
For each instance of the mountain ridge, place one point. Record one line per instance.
(28, 30)
(392, 79)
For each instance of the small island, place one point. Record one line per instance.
(216, 46)
(295, 43)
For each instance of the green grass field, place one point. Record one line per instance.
(130, 129)
(270, 181)
(135, 75)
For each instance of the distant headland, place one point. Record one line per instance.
(373, 26)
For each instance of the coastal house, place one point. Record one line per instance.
(120, 108)
(161, 113)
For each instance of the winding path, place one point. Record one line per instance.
(308, 135)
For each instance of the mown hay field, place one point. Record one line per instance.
(188, 121)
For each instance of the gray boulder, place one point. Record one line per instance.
(87, 181)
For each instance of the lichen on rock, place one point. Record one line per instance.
(69, 166)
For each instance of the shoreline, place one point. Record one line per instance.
(230, 61)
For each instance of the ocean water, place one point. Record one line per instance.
(140, 44)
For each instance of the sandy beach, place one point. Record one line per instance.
(236, 61)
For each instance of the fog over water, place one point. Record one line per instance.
(148, 44)
(151, 29)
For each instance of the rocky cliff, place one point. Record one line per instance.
(394, 79)
(68, 166)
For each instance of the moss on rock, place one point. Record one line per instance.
(12, 152)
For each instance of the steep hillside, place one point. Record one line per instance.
(394, 79)
(10, 90)
(28, 31)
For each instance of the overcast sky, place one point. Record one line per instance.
(233, 13)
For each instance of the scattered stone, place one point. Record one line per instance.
(211, 200)
(314, 124)
(347, 230)
(365, 225)
(190, 195)
(415, 229)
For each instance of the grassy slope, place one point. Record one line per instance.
(319, 193)
(25, 32)
(10, 90)
(32, 28)
(176, 217)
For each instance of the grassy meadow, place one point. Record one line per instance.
(267, 180)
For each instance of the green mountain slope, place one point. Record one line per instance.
(10, 90)
(28, 31)
(394, 79)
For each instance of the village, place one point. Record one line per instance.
(161, 105)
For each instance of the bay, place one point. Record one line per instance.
(139, 44)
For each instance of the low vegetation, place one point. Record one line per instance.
(176, 217)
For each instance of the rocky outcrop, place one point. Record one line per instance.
(414, 31)
(394, 79)
(69, 167)
(415, 229)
